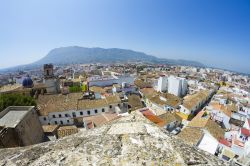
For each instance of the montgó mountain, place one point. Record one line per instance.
(83, 55)
(75, 54)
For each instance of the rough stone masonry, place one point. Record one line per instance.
(131, 140)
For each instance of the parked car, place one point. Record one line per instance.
(176, 131)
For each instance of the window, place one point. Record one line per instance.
(88, 112)
(96, 111)
(60, 115)
(68, 121)
(110, 106)
(66, 115)
(103, 110)
(81, 113)
(55, 122)
(225, 157)
(61, 122)
(54, 116)
(74, 114)
(44, 118)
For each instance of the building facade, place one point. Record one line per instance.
(20, 126)
(162, 84)
(177, 86)
(52, 83)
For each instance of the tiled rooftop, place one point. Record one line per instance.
(191, 135)
(155, 97)
(196, 126)
(192, 100)
(170, 117)
(226, 109)
(59, 103)
(50, 128)
(142, 84)
(135, 102)
(101, 119)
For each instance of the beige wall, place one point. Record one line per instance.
(29, 130)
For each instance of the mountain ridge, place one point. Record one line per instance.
(77, 54)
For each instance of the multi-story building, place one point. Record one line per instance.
(177, 86)
(71, 109)
(193, 103)
(162, 84)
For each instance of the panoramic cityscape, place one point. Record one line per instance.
(125, 83)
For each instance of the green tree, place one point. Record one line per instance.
(7, 100)
(75, 89)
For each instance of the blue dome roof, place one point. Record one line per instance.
(27, 82)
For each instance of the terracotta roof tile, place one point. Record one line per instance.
(135, 102)
(155, 97)
(193, 100)
(225, 142)
(245, 131)
(203, 121)
(225, 109)
(214, 129)
(101, 119)
(198, 120)
(60, 103)
(170, 117)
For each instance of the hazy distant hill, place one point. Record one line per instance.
(75, 54)
(67, 55)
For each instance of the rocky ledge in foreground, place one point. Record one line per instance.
(131, 140)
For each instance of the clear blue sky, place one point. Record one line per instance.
(214, 32)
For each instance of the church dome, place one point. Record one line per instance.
(27, 82)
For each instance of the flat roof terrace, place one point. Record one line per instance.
(13, 115)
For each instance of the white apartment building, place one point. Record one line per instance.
(162, 84)
(177, 86)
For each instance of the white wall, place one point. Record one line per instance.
(184, 87)
(174, 86)
(184, 110)
(177, 86)
(208, 143)
(220, 116)
(162, 84)
(67, 116)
